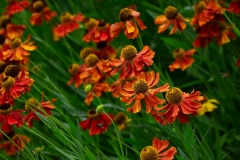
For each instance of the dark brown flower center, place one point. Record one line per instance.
(129, 52)
(91, 60)
(125, 14)
(93, 114)
(140, 86)
(12, 70)
(11, 1)
(5, 108)
(149, 153)
(65, 17)
(179, 53)
(15, 43)
(2, 66)
(174, 95)
(85, 52)
(120, 118)
(4, 20)
(9, 134)
(38, 6)
(2, 39)
(90, 23)
(8, 82)
(101, 24)
(73, 69)
(101, 44)
(171, 12)
(199, 6)
(31, 103)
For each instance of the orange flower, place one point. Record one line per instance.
(97, 90)
(156, 151)
(12, 88)
(116, 87)
(171, 16)
(69, 23)
(15, 6)
(18, 51)
(183, 59)
(75, 70)
(205, 11)
(17, 142)
(97, 122)
(41, 11)
(226, 33)
(143, 89)
(234, 7)
(97, 31)
(129, 18)
(33, 106)
(10, 30)
(131, 62)
(180, 104)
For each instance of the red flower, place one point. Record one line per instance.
(143, 89)
(12, 88)
(9, 117)
(15, 6)
(97, 31)
(180, 104)
(69, 24)
(171, 16)
(156, 151)
(18, 51)
(131, 62)
(41, 11)
(75, 70)
(128, 16)
(33, 106)
(16, 143)
(183, 59)
(234, 7)
(97, 122)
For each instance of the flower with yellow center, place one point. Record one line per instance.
(90, 23)
(171, 12)
(31, 104)
(179, 53)
(65, 17)
(129, 52)
(199, 6)
(149, 153)
(85, 52)
(91, 60)
(15, 43)
(122, 120)
(73, 69)
(208, 105)
(125, 14)
(8, 82)
(38, 6)
(174, 95)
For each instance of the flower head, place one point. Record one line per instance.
(171, 16)
(208, 105)
(75, 70)
(9, 117)
(15, 6)
(183, 59)
(97, 122)
(143, 89)
(122, 121)
(234, 7)
(158, 151)
(128, 17)
(180, 104)
(131, 62)
(69, 23)
(15, 143)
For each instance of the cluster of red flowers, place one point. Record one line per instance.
(14, 77)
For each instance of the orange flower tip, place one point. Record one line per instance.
(73, 69)
(12, 70)
(101, 44)
(2, 39)
(90, 23)
(125, 14)
(65, 17)
(140, 86)
(199, 6)
(15, 43)
(179, 53)
(171, 12)
(38, 6)
(8, 82)
(91, 60)
(5, 108)
(129, 52)
(174, 95)
(85, 52)
(3, 65)
(93, 114)
(4, 20)
(149, 153)
(31, 103)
